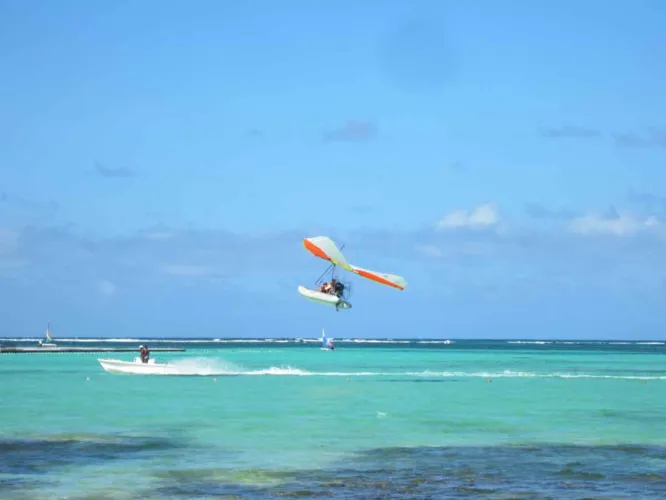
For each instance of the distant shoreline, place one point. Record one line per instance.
(306, 339)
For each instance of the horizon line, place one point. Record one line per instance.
(217, 339)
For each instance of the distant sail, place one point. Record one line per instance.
(48, 332)
(325, 341)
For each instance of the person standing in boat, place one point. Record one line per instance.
(145, 353)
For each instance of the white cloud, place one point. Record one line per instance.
(481, 216)
(106, 287)
(9, 255)
(622, 225)
(10, 264)
(159, 235)
(187, 270)
(8, 241)
(429, 250)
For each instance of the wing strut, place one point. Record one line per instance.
(331, 267)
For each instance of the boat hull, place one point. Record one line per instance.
(323, 298)
(136, 367)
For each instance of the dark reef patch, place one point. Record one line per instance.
(36, 456)
(497, 472)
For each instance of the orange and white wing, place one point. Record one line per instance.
(324, 248)
(383, 278)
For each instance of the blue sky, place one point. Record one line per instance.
(160, 163)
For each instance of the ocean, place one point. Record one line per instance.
(372, 419)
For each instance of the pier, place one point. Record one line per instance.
(48, 349)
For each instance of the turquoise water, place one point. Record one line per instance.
(489, 419)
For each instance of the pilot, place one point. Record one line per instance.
(145, 353)
(334, 286)
(338, 288)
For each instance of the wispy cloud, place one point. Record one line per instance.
(457, 166)
(43, 206)
(159, 235)
(630, 140)
(417, 54)
(649, 202)
(188, 270)
(362, 208)
(8, 241)
(654, 138)
(106, 287)
(539, 211)
(10, 258)
(481, 216)
(429, 250)
(570, 132)
(352, 131)
(465, 253)
(593, 240)
(111, 172)
(61, 255)
(620, 224)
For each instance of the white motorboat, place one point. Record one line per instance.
(137, 367)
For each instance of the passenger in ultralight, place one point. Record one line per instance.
(333, 288)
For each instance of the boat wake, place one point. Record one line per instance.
(288, 370)
(203, 367)
(218, 367)
(221, 368)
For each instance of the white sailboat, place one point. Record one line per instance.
(49, 340)
(326, 343)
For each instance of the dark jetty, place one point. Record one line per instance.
(48, 349)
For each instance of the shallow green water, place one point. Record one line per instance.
(294, 410)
